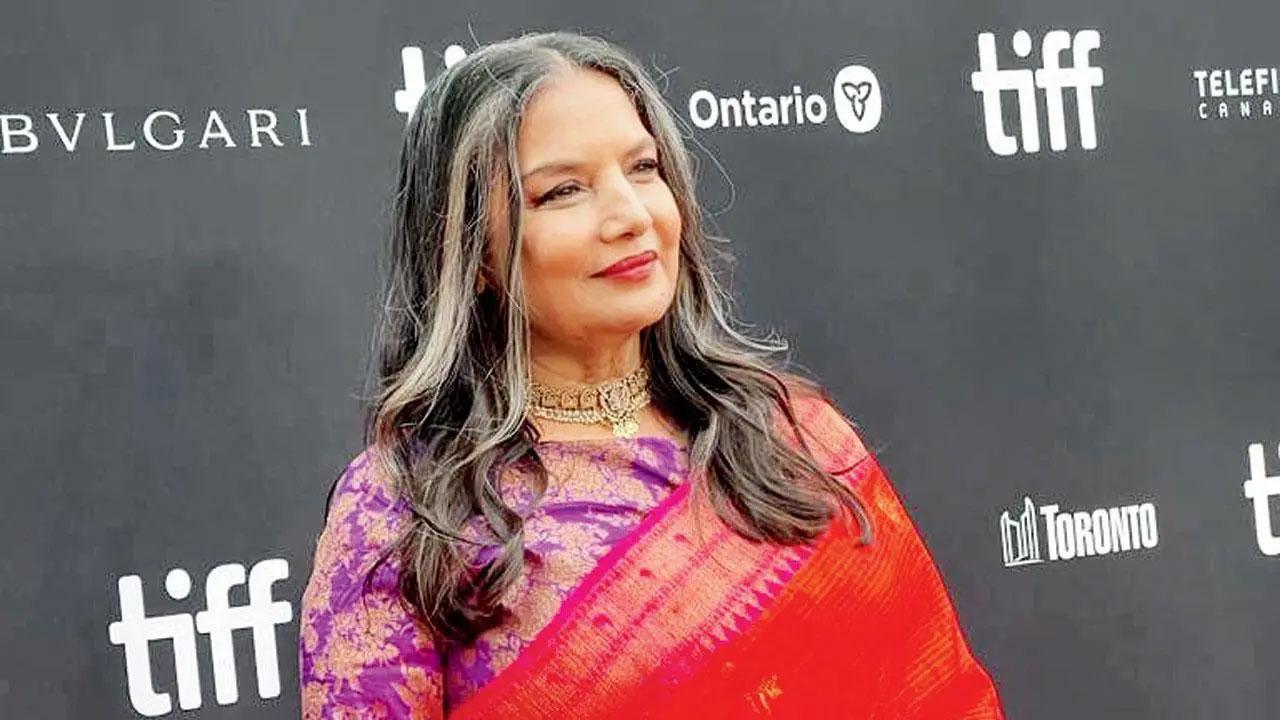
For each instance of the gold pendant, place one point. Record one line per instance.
(626, 427)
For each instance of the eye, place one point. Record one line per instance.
(647, 165)
(557, 193)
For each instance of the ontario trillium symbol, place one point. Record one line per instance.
(857, 95)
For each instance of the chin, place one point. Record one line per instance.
(634, 316)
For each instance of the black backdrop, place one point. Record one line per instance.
(186, 329)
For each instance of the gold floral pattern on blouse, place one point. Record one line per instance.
(364, 653)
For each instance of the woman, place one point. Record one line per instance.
(585, 493)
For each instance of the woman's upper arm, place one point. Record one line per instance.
(363, 653)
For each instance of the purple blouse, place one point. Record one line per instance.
(363, 655)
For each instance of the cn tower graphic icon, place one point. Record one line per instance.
(1019, 538)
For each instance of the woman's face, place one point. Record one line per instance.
(601, 229)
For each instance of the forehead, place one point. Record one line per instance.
(574, 113)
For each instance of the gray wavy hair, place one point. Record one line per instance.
(453, 378)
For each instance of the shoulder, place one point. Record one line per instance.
(364, 492)
(825, 432)
(363, 521)
(363, 651)
(837, 444)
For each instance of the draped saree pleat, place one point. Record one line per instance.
(686, 617)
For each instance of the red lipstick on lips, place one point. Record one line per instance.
(633, 266)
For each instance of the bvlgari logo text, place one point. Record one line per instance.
(158, 130)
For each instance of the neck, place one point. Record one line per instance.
(556, 363)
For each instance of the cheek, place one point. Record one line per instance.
(553, 260)
(555, 252)
(667, 223)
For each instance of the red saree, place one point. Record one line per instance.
(687, 618)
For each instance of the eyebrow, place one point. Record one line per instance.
(565, 165)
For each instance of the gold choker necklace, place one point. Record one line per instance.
(613, 402)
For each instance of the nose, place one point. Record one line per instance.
(626, 214)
